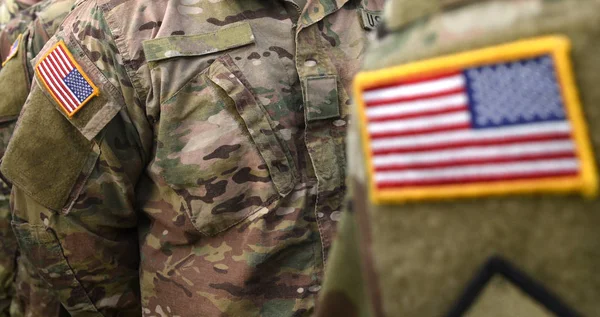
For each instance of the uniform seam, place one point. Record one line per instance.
(128, 72)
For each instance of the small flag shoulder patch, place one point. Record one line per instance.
(65, 80)
(14, 49)
(500, 120)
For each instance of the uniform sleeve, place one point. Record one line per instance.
(74, 180)
(14, 88)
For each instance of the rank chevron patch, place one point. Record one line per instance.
(500, 120)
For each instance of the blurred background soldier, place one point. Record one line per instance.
(193, 148)
(10, 8)
(8, 245)
(26, 294)
(472, 166)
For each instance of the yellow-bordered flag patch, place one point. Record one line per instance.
(499, 120)
(14, 49)
(65, 80)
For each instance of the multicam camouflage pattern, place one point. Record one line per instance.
(45, 14)
(417, 258)
(8, 248)
(206, 147)
(28, 295)
(9, 10)
(16, 26)
(8, 245)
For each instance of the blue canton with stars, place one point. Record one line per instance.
(519, 92)
(78, 85)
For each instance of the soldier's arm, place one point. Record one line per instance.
(74, 177)
(14, 83)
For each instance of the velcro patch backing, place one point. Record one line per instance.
(500, 120)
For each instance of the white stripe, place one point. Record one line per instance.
(521, 168)
(64, 59)
(52, 59)
(68, 90)
(413, 107)
(470, 135)
(411, 90)
(48, 80)
(61, 88)
(420, 123)
(475, 152)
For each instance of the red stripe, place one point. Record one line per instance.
(413, 80)
(475, 179)
(442, 93)
(421, 114)
(56, 80)
(65, 58)
(43, 74)
(476, 161)
(452, 127)
(496, 141)
(53, 60)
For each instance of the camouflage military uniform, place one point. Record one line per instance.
(214, 149)
(416, 258)
(31, 296)
(17, 26)
(9, 10)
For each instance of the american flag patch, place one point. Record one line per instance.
(65, 80)
(495, 121)
(13, 50)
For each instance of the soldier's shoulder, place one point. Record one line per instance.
(53, 9)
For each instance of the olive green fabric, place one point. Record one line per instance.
(553, 238)
(402, 12)
(501, 298)
(343, 268)
(47, 165)
(14, 71)
(198, 44)
(425, 253)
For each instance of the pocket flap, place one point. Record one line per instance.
(237, 35)
(225, 74)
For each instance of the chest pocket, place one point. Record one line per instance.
(217, 150)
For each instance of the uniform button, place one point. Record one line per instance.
(336, 215)
(315, 288)
(300, 290)
(310, 63)
(320, 214)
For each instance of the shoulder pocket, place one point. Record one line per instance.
(15, 84)
(47, 153)
(51, 152)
